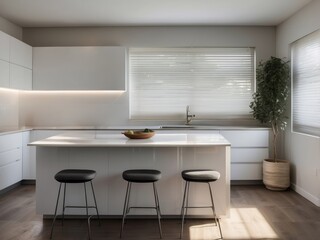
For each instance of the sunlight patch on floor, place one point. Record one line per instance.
(244, 223)
(204, 231)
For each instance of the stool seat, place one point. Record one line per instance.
(75, 176)
(200, 175)
(141, 175)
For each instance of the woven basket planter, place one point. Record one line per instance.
(276, 175)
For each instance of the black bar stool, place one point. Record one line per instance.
(75, 176)
(141, 176)
(198, 176)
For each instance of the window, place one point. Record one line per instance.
(306, 84)
(217, 83)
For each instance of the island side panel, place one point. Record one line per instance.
(110, 187)
(216, 158)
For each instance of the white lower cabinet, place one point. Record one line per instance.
(29, 155)
(29, 152)
(10, 159)
(248, 149)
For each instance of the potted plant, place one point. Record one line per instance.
(269, 106)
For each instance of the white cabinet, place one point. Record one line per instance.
(29, 152)
(79, 68)
(248, 149)
(20, 53)
(10, 159)
(20, 77)
(4, 74)
(15, 63)
(4, 46)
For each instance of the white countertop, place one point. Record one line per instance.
(96, 139)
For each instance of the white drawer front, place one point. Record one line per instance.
(10, 174)
(246, 171)
(249, 155)
(249, 138)
(10, 157)
(10, 141)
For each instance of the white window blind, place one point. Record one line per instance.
(217, 83)
(306, 84)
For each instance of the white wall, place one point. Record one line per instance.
(9, 99)
(104, 109)
(303, 151)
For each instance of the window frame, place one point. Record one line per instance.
(247, 116)
(298, 129)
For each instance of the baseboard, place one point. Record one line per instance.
(28, 182)
(315, 200)
(7, 189)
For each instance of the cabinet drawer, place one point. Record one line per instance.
(246, 171)
(10, 142)
(250, 138)
(249, 155)
(10, 157)
(10, 174)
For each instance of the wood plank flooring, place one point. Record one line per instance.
(256, 213)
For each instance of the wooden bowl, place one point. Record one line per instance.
(139, 135)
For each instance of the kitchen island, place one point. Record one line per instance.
(111, 153)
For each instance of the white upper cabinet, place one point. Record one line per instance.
(20, 77)
(4, 46)
(4, 74)
(79, 68)
(20, 53)
(15, 63)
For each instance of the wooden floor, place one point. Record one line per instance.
(256, 213)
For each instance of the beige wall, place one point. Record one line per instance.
(107, 109)
(303, 151)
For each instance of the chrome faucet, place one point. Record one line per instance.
(189, 116)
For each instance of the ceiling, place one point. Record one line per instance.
(63, 13)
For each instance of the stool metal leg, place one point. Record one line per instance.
(95, 202)
(85, 194)
(55, 211)
(184, 206)
(187, 201)
(89, 227)
(64, 202)
(214, 211)
(125, 207)
(156, 199)
(158, 203)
